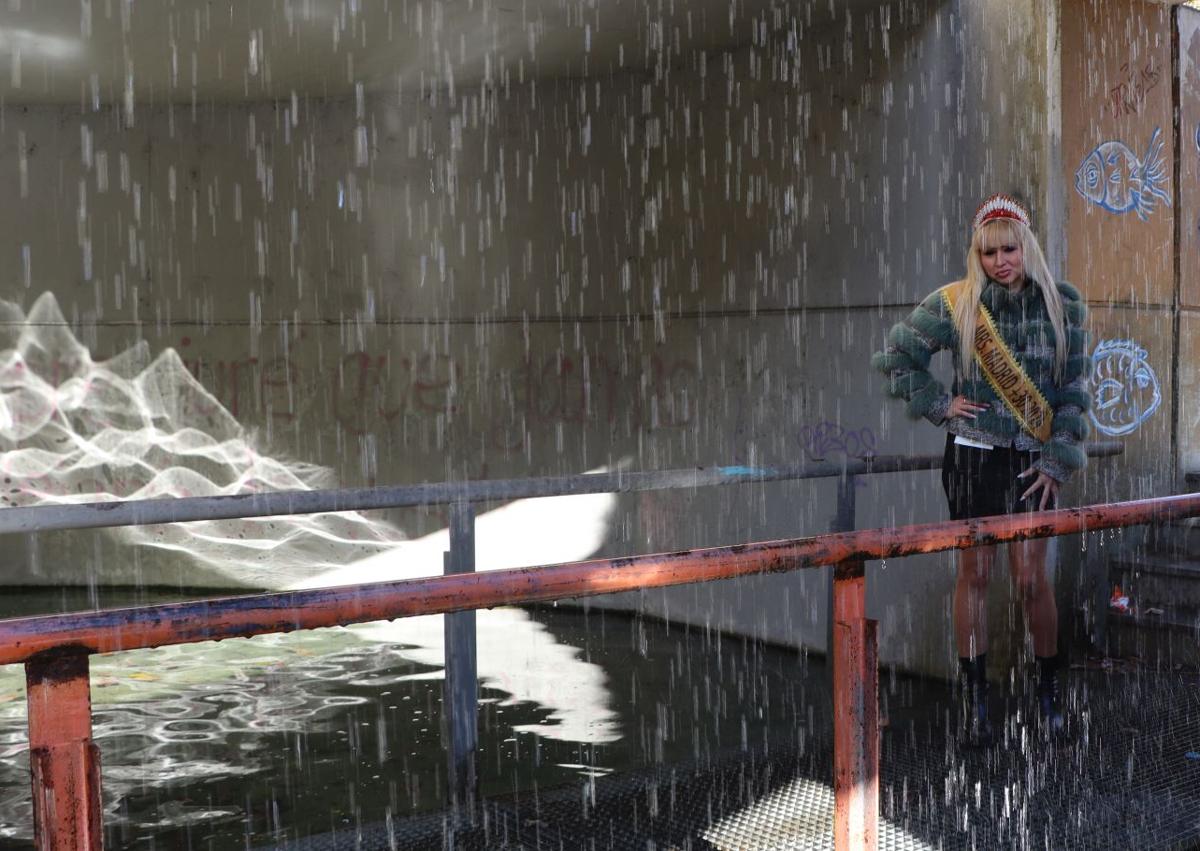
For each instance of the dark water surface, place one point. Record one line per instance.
(245, 742)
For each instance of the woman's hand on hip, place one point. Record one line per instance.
(961, 406)
(1046, 484)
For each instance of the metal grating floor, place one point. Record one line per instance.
(1121, 780)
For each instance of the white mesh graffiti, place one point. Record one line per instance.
(132, 427)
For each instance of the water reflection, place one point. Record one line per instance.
(516, 654)
(253, 740)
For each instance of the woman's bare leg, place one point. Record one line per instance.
(1027, 562)
(1027, 565)
(970, 600)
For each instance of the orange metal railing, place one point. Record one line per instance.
(23, 639)
(55, 649)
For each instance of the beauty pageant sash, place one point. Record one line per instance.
(1002, 371)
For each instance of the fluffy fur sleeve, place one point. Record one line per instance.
(905, 359)
(1063, 453)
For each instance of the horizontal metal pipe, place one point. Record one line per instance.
(184, 623)
(146, 512)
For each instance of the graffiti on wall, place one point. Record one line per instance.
(1134, 83)
(504, 404)
(1113, 178)
(369, 392)
(1124, 385)
(826, 439)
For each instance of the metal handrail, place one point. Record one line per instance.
(146, 512)
(140, 512)
(256, 614)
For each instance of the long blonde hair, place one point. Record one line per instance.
(993, 234)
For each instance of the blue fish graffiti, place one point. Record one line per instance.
(1114, 179)
(1125, 387)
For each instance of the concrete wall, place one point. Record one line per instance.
(685, 266)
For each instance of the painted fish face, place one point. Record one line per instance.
(1125, 387)
(1114, 179)
(1108, 177)
(1089, 178)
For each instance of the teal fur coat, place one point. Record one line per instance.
(1025, 326)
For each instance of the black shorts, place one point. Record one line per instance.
(983, 482)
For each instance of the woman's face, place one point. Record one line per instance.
(1004, 262)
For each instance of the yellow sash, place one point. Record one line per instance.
(1002, 371)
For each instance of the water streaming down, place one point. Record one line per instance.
(316, 242)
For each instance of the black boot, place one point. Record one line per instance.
(977, 729)
(1048, 693)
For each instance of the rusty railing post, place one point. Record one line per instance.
(64, 762)
(855, 714)
(852, 643)
(461, 689)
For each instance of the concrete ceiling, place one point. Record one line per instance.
(158, 50)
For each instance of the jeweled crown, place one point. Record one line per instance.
(1000, 206)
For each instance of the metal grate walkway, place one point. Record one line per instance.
(1123, 779)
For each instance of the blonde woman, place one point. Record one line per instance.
(1015, 419)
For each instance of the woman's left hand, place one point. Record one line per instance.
(1047, 485)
